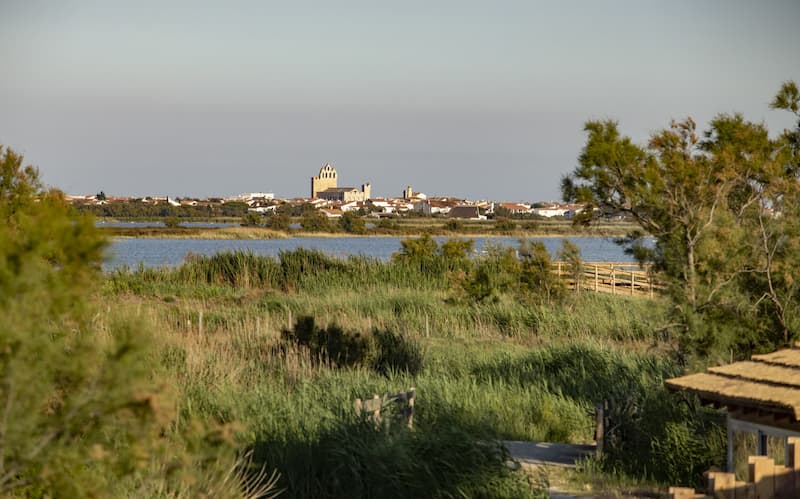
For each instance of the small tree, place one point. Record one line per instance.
(537, 279)
(279, 221)
(504, 225)
(352, 223)
(252, 219)
(570, 254)
(172, 222)
(62, 388)
(315, 221)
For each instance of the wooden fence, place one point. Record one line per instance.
(622, 278)
(402, 403)
(766, 480)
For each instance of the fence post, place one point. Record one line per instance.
(599, 430)
(762, 469)
(613, 280)
(633, 282)
(596, 277)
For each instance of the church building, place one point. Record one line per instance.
(324, 186)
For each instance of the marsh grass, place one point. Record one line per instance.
(506, 369)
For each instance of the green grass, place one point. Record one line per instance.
(514, 369)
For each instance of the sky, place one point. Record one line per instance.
(475, 99)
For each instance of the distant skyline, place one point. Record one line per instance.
(467, 98)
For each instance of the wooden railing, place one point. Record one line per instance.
(403, 403)
(766, 480)
(622, 278)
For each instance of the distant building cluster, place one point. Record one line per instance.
(332, 200)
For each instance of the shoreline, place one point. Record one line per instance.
(265, 234)
(410, 229)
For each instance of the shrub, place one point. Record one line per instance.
(279, 221)
(315, 221)
(395, 353)
(351, 223)
(454, 225)
(537, 278)
(504, 225)
(251, 219)
(331, 344)
(172, 222)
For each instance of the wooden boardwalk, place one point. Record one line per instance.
(620, 278)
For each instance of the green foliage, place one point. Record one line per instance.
(537, 279)
(504, 225)
(316, 221)
(352, 223)
(331, 344)
(87, 410)
(384, 351)
(570, 254)
(720, 206)
(396, 353)
(279, 221)
(454, 225)
(172, 222)
(494, 273)
(252, 219)
(388, 224)
(428, 257)
(239, 269)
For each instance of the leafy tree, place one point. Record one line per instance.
(570, 254)
(252, 219)
(456, 252)
(172, 222)
(279, 221)
(80, 415)
(60, 390)
(721, 209)
(496, 272)
(316, 221)
(352, 223)
(504, 225)
(536, 277)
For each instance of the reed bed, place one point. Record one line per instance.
(504, 369)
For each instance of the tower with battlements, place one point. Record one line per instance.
(325, 180)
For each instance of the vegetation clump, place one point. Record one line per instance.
(722, 205)
(383, 350)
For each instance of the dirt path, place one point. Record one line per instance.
(547, 454)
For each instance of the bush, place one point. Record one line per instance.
(82, 416)
(172, 222)
(504, 225)
(251, 219)
(279, 221)
(315, 221)
(454, 225)
(396, 353)
(331, 344)
(351, 223)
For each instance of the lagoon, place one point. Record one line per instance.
(172, 252)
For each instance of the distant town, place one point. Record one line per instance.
(333, 201)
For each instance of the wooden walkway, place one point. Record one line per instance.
(619, 278)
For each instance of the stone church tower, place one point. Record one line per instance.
(325, 180)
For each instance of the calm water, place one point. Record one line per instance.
(160, 252)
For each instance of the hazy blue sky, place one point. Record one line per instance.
(480, 99)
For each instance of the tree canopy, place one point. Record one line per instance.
(80, 412)
(722, 208)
